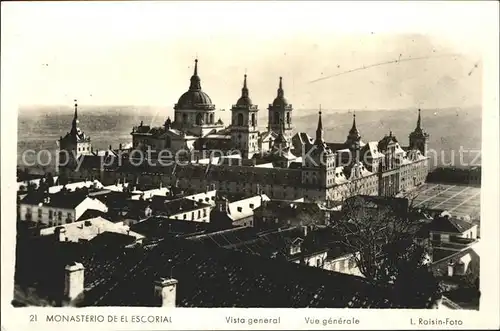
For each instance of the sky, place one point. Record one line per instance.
(143, 53)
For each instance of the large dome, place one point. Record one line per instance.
(280, 102)
(195, 98)
(244, 101)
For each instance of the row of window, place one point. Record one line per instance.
(52, 214)
(83, 149)
(184, 216)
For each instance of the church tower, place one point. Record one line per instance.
(353, 138)
(280, 110)
(319, 162)
(419, 138)
(195, 112)
(74, 144)
(244, 131)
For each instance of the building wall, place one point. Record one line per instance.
(447, 237)
(315, 260)
(46, 215)
(196, 215)
(345, 264)
(276, 183)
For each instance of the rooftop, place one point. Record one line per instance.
(159, 227)
(66, 200)
(446, 223)
(166, 207)
(88, 229)
(208, 277)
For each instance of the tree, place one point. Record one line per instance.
(383, 236)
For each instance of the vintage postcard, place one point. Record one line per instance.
(249, 165)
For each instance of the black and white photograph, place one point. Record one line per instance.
(179, 155)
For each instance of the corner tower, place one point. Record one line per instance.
(319, 162)
(419, 138)
(244, 132)
(75, 143)
(280, 110)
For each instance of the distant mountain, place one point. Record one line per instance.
(40, 128)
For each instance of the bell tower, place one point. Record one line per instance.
(419, 138)
(74, 144)
(244, 126)
(280, 111)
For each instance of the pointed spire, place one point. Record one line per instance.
(281, 93)
(353, 128)
(195, 79)
(319, 130)
(76, 109)
(419, 121)
(244, 90)
(74, 124)
(353, 133)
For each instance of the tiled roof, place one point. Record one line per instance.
(109, 238)
(171, 207)
(208, 277)
(449, 224)
(159, 227)
(89, 229)
(370, 201)
(294, 211)
(67, 200)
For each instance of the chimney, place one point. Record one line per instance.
(120, 146)
(60, 233)
(305, 230)
(451, 267)
(212, 187)
(73, 281)
(222, 204)
(208, 188)
(165, 291)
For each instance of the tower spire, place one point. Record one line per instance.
(353, 135)
(74, 124)
(419, 121)
(195, 79)
(319, 130)
(354, 129)
(280, 88)
(76, 109)
(244, 90)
